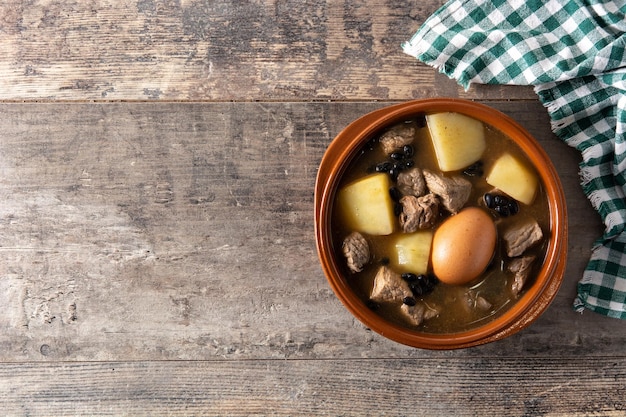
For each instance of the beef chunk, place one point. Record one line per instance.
(520, 267)
(389, 287)
(411, 182)
(418, 212)
(452, 191)
(356, 250)
(521, 236)
(418, 313)
(395, 138)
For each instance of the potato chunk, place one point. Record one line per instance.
(366, 205)
(413, 251)
(459, 140)
(514, 178)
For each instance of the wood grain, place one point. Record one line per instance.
(417, 387)
(152, 231)
(157, 164)
(217, 50)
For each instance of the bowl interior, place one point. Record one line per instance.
(526, 309)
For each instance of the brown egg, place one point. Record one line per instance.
(463, 246)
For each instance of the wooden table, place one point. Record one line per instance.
(157, 257)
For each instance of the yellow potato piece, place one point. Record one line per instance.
(514, 178)
(366, 205)
(413, 251)
(459, 140)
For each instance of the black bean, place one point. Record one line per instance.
(474, 170)
(409, 277)
(489, 201)
(424, 285)
(501, 204)
(394, 172)
(431, 280)
(408, 151)
(410, 301)
(397, 156)
(474, 173)
(409, 163)
(417, 288)
(384, 167)
(502, 210)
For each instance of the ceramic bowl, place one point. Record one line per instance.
(534, 300)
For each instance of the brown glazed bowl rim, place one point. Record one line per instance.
(528, 307)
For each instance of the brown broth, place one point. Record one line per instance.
(495, 283)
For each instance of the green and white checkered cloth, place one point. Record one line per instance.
(574, 53)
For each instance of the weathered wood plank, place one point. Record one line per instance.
(185, 231)
(217, 50)
(417, 387)
(157, 258)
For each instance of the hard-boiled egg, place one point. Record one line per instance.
(463, 246)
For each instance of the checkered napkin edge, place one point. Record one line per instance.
(574, 54)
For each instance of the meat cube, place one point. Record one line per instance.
(394, 139)
(389, 287)
(452, 191)
(521, 236)
(411, 182)
(418, 212)
(418, 313)
(520, 267)
(356, 250)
